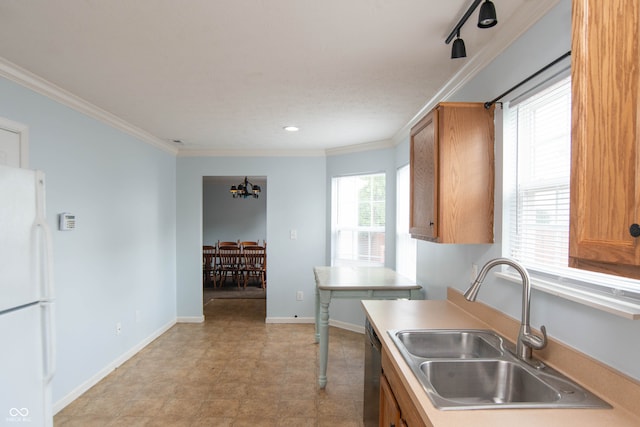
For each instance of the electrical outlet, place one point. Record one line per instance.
(299, 296)
(293, 234)
(118, 328)
(474, 272)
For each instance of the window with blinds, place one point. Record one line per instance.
(358, 220)
(539, 211)
(405, 244)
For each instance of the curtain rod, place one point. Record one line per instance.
(488, 104)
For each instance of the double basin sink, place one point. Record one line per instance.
(477, 369)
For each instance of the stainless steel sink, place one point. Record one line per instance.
(451, 344)
(476, 369)
(486, 381)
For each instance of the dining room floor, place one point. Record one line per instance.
(232, 370)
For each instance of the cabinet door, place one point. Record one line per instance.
(389, 409)
(423, 175)
(465, 173)
(605, 180)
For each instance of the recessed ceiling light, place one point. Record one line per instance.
(291, 128)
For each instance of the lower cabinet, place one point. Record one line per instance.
(389, 409)
(396, 407)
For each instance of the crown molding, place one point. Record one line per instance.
(510, 31)
(44, 87)
(357, 148)
(250, 153)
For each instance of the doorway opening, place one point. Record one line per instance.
(232, 230)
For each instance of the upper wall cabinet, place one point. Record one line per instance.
(605, 158)
(452, 174)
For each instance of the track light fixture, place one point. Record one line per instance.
(487, 16)
(486, 19)
(458, 50)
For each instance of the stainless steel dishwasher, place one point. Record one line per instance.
(372, 371)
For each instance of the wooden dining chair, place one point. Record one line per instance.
(249, 243)
(208, 265)
(254, 263)
(228, 263)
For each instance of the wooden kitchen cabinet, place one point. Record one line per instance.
(452, 174)
(605, 158)
(396, 407)
(389, 410)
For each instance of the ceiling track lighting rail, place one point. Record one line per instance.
(486, 19)
(488, 104)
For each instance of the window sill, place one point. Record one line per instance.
(610, 304)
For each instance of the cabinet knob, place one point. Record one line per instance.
(634, 230)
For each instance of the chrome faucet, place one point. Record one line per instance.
(527, 341)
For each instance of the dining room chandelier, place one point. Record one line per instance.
(245, 189)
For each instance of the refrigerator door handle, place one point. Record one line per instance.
(49, 342)
(45, 252)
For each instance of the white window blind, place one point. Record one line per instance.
(358, 220)
(541, 125)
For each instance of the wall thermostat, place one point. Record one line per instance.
(67, 221)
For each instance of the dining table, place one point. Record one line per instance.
(354, 282)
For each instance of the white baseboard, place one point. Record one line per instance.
(347, 326)
(82, 388)
(290, 320)
(190, 319)
(336, 323)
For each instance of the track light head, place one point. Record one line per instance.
(458, 50)
(487, 16)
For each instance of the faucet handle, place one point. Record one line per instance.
(534, 341)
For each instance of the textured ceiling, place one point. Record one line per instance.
(228, 75)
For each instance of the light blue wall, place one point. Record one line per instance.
(596, 333)
(227, 219)
(121, 257)
(296, 200)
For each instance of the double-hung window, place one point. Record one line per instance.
(358, 220)
(538, 140)
(541, 125)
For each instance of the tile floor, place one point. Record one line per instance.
(231, 370)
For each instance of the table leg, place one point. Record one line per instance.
(317, 314)
(325, 298)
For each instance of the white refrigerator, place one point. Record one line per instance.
(27, 349)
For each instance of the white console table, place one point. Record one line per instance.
(354, 283)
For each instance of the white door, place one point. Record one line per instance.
(10, 148)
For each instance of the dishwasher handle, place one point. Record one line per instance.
(372, 336)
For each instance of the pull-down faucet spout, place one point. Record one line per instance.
(526, 339)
